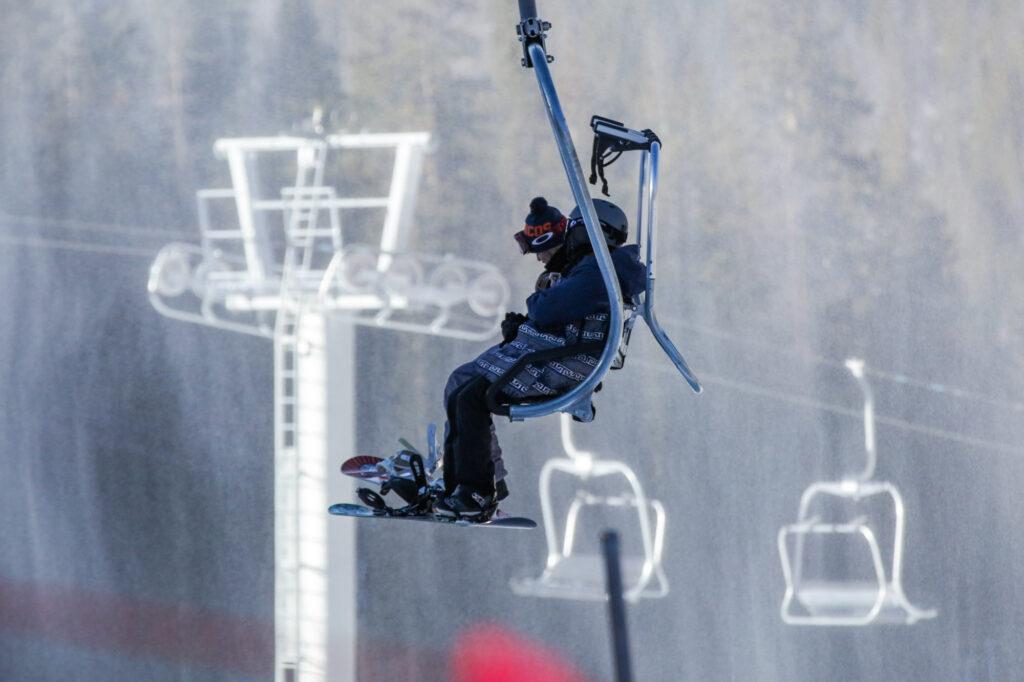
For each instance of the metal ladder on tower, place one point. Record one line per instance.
(301, 239)
(300, 220)
(304, 201)
(286, 531)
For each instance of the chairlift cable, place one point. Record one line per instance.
(90, 226)
(813, 358)
(814, 404)
(83, 247)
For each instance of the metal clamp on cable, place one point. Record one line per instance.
(531, 31)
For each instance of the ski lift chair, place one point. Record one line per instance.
(875, 596)
(611, 140)
(571, 574)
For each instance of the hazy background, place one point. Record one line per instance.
(838, 178)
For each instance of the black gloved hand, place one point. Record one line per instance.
(510, 326)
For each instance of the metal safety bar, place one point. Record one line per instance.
(650, 161)
(532, 36)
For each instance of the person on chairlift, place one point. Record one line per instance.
(569, 306)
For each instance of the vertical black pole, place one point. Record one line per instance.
(616, 606)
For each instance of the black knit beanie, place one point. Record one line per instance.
(544, 229)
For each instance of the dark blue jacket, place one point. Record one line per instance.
(581, 292)
(574, 310)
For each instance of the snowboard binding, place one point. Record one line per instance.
(418, 494)
(403, 473)
(418, 481)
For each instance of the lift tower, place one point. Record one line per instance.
(278, 261)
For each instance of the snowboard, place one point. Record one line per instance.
(416, 481)
(499, 520)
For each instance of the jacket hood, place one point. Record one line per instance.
(632, 273)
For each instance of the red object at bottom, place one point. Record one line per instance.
(492, 653)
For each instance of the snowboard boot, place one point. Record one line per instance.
(467, 503)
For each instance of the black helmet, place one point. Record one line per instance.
(613, 222)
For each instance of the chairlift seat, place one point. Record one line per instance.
(572, 574)
(584, 410)
(853, 601)
(631, 309)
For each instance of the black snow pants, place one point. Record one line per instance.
(467, 447)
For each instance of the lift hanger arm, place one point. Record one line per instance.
(531, 33)
(856, 368)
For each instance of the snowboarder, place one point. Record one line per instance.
(542, 235)
(569, 306)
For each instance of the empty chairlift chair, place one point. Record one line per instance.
(575, 573)
(869, 589)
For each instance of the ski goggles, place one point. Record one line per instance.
(538, 238)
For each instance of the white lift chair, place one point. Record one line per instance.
(574, 574)
(874, 594)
